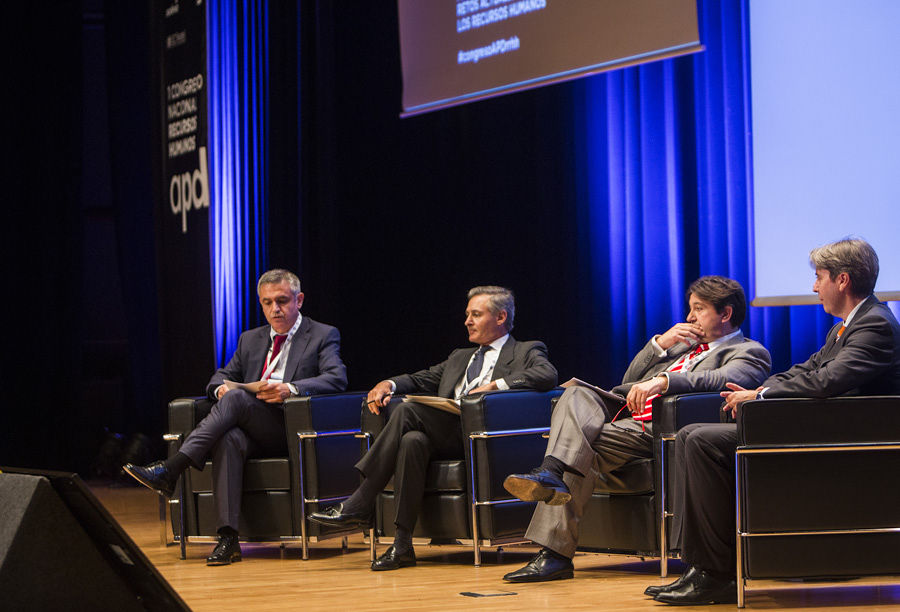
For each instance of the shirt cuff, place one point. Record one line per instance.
(761, 393)
(668, 380)
(393, 386)
(293, 389)
(216, 392)
(502, 384)
(660, 351)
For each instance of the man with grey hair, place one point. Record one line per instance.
(415, 433)
(292, 355)
(861, 356)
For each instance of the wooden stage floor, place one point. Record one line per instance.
(272, 578)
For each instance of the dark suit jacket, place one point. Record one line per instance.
(313, 366)
(865, 360)
(739, 360)
(524, 365)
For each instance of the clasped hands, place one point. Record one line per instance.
(736, 396)
(274, 392)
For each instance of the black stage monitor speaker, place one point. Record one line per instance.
(61, 550)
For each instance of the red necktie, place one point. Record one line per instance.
(277, 343)
(685, 360)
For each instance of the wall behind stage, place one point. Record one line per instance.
(401, 217)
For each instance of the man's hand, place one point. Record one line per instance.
(220, 391)
(737, 396)
(274, 392)
(688, 333)
(491, 386)
(379, 396)
(638, 394)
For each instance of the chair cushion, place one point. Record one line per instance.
(633, 478)
(443, 475)
(259, 475)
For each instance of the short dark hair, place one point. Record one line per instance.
(721, 292)
(854, 256)
(278, 276)
(499, 298)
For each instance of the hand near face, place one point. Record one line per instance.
(736, 396)
(274, 392)
(379, 396)
(687, 333)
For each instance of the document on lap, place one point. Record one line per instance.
(252, 387)
(614, 399)
(441, 403)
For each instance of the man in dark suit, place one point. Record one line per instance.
(292, 355)
(861, 356)
(701, 354)
(415, 433)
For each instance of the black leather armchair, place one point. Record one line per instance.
(816, 490)
(628, 510)
(464, 498)
(323, 444)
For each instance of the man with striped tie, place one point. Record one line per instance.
(861, 356)
(701, 354)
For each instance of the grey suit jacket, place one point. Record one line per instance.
(313, 365)
(739, 360)
(524, 365)
(865, 360)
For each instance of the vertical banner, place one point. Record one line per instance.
(183, 220)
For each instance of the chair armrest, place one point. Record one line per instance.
(322, 413)
(507, 410)
(672, 412)
(185, 413)
(836, 420)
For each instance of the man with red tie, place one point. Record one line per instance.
(861, 356)
(292, 355)
(701, 354)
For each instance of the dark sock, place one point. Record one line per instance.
(402, 540)
(363, 498)
(177, 463)
(557, 467)
(226, 531)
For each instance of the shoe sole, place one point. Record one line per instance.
(728, 599)
(233, 559)
(396, 567)
(564, 575)
(166, 494)
(529, 490)
(352, 524)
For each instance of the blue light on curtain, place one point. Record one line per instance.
(665, 194)
(238, 59)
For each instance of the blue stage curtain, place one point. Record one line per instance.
(237, 50)
(664, 181)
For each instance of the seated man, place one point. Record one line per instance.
(295, 356)
(699, 355)
(861, 356)
(415, 433)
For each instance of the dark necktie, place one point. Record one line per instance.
(277, 343)
(475, 367)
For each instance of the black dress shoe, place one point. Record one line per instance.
(227, 551)
(154, 476)
(336, 517)
(701, 588)
(546, 565)
(390, 560)
(654, 590)
(538, 485)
